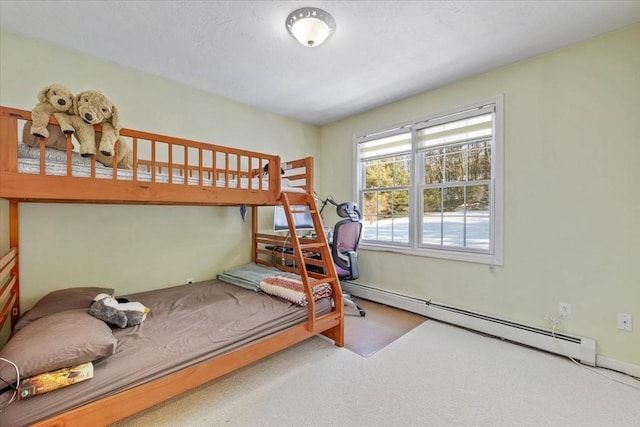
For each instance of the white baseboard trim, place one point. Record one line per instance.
(414, 305)
(580, 348)
(617, 365)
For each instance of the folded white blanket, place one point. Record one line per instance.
(291, 288)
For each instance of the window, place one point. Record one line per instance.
(434, 186)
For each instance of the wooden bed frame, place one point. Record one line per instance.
(227, 165)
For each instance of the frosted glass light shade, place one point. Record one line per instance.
(310, 26)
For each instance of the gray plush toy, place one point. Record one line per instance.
(106, 307)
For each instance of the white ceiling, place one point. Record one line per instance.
(382, 51)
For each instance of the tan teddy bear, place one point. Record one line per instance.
(90, 108)
(54, 99)
(78, 115)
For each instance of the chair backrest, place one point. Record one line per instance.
(346, 237)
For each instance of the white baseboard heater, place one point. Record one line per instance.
(579, 348)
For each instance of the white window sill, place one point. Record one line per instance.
(452, 255)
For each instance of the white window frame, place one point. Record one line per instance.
(494, 256)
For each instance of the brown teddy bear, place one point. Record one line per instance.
(55, 139)
(58, 140)
(54, 99)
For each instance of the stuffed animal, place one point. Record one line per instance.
(125, 154)
(266, 169)
(90, 108)
(54, 99)
(122, 314)
(56, 139)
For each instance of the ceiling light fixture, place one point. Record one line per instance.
(310, 26)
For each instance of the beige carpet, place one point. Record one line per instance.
(436, 375)
(380, 327)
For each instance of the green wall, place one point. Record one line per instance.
(572, 193)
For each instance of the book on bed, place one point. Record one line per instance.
(49, 381)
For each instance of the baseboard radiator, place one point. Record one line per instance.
(579, 348)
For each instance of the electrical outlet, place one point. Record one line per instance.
(564, 310)
(625, 322)
(189, 280)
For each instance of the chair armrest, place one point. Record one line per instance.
(353, 265)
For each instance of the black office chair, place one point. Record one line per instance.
(346, 237)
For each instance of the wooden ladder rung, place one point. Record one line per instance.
(314, 245)
(315, 282)
(306, 209)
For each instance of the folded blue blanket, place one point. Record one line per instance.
(248, 276)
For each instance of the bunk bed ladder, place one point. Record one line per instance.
(317, 246)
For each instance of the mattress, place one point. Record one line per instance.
(32, 166)
(187, 324)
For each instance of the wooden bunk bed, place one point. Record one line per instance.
(173, 171)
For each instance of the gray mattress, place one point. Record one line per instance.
(187, 324)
